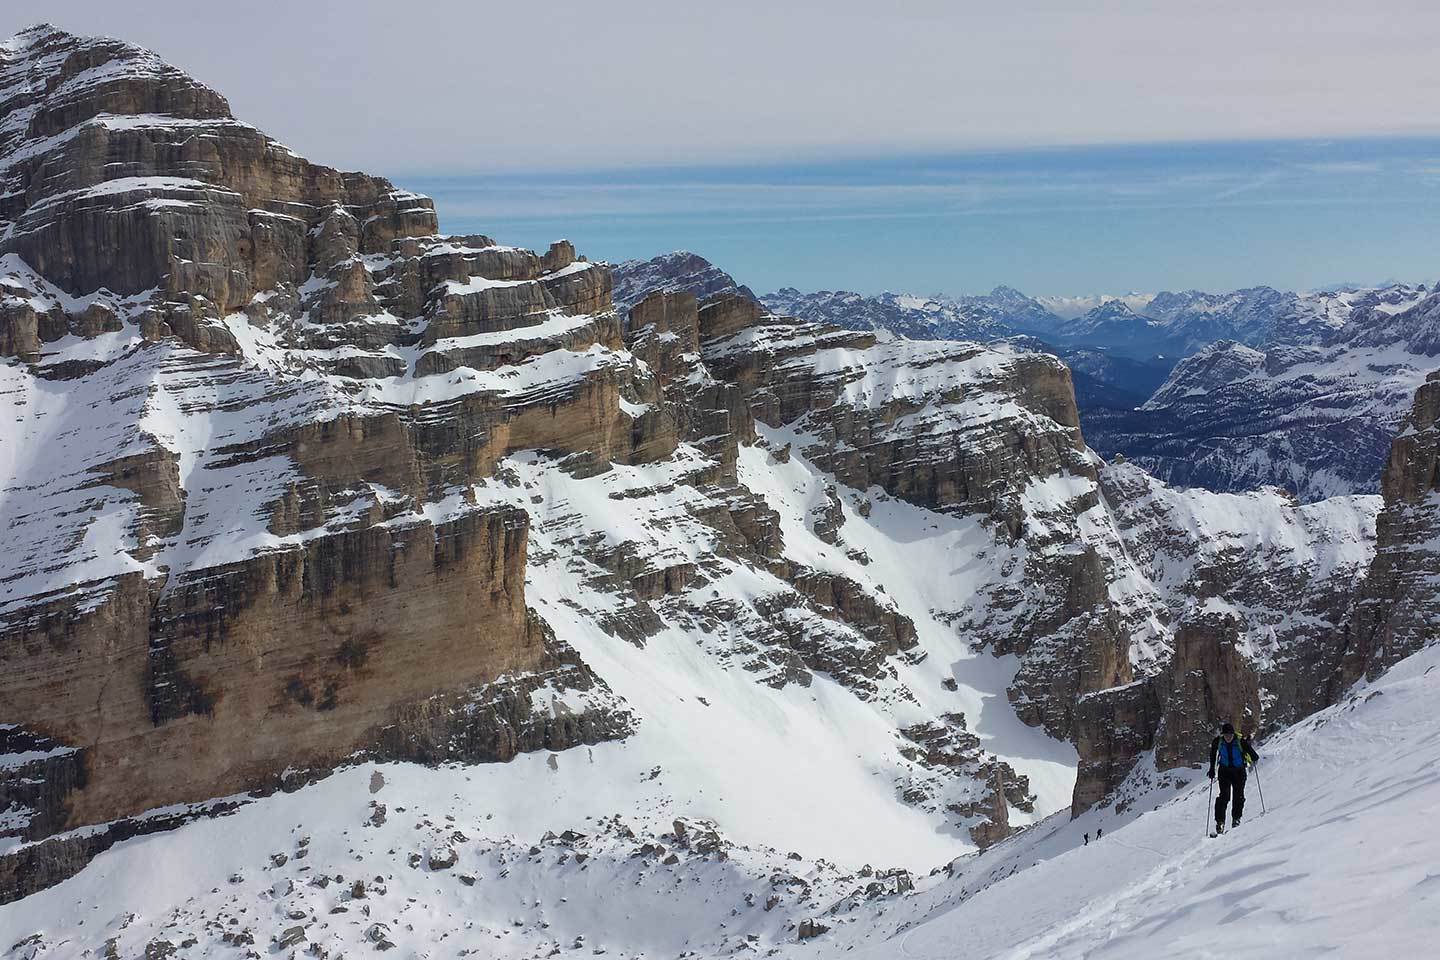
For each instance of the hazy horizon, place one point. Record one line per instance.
(1075, 221)
(565, 85)
(934, 148)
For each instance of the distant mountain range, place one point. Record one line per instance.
(1313, 418)
(1068, 308)
(1135, 325)
(1229, 391)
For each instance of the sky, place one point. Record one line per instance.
(1061, 147)
(1074, 220)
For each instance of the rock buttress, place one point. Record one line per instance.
(297, 658)
(1398, 610)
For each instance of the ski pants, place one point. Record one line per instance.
(1231, 778)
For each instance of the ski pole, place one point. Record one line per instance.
(1256, 768)
(1209, 804)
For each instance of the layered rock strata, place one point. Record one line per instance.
(1398, 608)
(271, 490)
(246, 393)
(292, 479)
(1254, 591)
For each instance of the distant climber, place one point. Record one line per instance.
(1232, 754)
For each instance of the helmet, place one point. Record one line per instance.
(1228, 728)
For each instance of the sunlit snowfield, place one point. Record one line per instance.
(1335, 867)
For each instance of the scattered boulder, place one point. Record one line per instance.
(443, 858)
(812, 928)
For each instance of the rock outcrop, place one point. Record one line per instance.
(946, 744)
(246, 393)
(677, 272)
(1398, 608)
(283, 464)
(1252, 592)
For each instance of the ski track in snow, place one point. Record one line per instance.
(1341, 863)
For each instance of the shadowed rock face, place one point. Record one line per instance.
(1398, 610)
(1256, 591)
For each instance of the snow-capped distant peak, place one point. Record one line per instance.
(1070, 307)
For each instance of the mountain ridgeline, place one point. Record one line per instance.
(1230, 392)
(293, 482)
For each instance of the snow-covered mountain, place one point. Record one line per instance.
(679, 270)
(1104, 378)
(301, 466)
(1070, 307)
(424, 860)
(1314, 419)
(1260, 370)
(906, 315)
(1003, 312)
(1115, 326)
(401, 592)
(1262, 316)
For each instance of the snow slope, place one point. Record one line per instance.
(1341, 864)
(1344, 862)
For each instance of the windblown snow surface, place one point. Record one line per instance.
(1341, 863)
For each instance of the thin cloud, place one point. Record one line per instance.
(1255, 183)
(1342, 167)
(471, 86)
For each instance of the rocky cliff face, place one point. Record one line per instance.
(237, 537)
(1276, 607)
(678, 272)
(290, 480)
(1253, 590)
(1398, 610)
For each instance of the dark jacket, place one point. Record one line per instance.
(1239, 749)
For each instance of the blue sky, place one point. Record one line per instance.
(1294, 214)
(930, 145)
